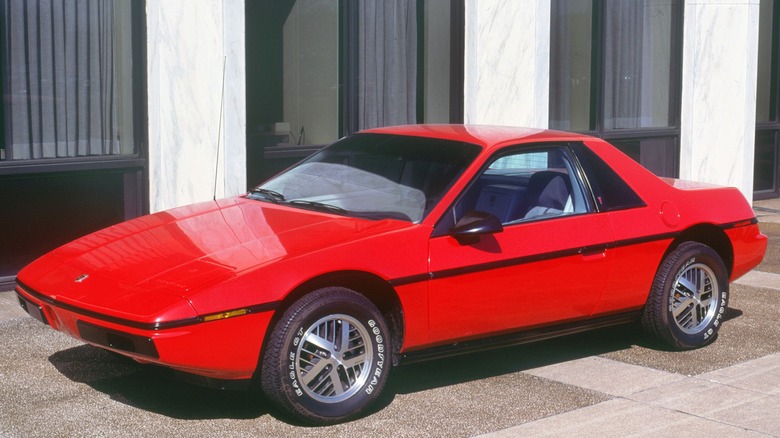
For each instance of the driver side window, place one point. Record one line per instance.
(526, 185)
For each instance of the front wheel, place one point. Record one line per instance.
(688, 298)
(325, 361)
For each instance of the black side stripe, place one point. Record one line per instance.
(160, 325)
(551, 255)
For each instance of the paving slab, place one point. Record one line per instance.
(766, 280)
(761, 415)
(620, 418)
(696, 397)
(606, 376)
(759, 375)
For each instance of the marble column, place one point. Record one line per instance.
(507, 59)
(196, 100)
(718, 114)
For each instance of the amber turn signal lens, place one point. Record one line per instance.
(225, 315)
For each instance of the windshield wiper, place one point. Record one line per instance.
(319, 206)
(270, 195)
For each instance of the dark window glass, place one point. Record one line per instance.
(614, 73)
(403, 62)
(319, 70)
(67, 79)
(313, 63)
(765, 161)
(638, 64)
(766, 59)
(657, 154)
(571, 65)
(609, 190)
(73, 205)
(767, 142)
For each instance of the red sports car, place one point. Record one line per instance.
(402, 244)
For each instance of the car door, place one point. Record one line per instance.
(546, 262)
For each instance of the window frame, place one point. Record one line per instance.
(274, 159)
(136, 162)
(131, 169)
(598, 86)
(349, 63)
(772, 126)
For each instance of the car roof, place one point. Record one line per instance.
(487, 136)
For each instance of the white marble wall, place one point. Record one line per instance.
(718, 119)
(507, 59)
(197, 135)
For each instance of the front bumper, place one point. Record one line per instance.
(224, 349)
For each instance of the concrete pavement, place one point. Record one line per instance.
(736, 401)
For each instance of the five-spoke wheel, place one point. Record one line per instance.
(327, 357)
(689, 297)
(333, 358)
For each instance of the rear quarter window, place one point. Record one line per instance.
(610, 191)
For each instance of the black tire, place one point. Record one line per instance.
(307, 372)
(688, 298)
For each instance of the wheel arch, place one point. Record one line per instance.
(376, 289)
(710, 235)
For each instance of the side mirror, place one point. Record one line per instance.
(473, 224)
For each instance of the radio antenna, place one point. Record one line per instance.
(219, 125)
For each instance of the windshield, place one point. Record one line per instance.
(374, 176)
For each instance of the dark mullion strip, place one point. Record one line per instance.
(88, 65)
(457, 59)
(774, 86)
(77, 85)
(28, 79)
(110, 35)
(675, 70)
(102, 80)
(66, 101)
(55, 97)
(597, 85)
(5, 61)
(350, 46)
(39, 68)
(420, 78)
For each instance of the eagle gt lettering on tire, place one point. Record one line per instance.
(328, 357)
(688, 298)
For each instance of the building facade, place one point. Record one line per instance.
(115, 108)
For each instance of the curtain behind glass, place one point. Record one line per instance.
(570, 65)
(60, 86)
(637, 64)
(387, 71)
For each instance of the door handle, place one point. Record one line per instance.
(593, 252)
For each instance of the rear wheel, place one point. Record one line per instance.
(326, 358)
(689, 297)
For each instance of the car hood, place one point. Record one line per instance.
(171, 255)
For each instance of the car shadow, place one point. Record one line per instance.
(154, 389)
(475, 366)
